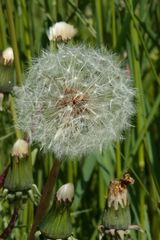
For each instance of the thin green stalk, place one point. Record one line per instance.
(14, 41)
(70, 171)
(118, 160)
(99, 21)
(46, 194)
(142, 41)
(82, 18)
(101, 189)
(114, 42)
(140, 115)
(3, 42)
(14, 116)
(26, 31)
(114, 39)
(16, 60)
(143, 131)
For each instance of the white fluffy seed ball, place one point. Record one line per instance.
(75, 101)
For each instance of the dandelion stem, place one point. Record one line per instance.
(140, 114)
(47, 190)
(14, 41)
(11, 225)
(3, 176)
(14, 116)
(99, 22)
(114, 39)
(118, 159)
(3, 41)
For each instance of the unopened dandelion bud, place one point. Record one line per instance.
(61, 31)
(19, 177)
(20, 149)
(65, 193)
(6, 70)
(8, 56)
(57, 223)
(1, 101)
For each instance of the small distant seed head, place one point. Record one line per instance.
(61, 31)
(8, 56)
(20, 149)
(65, 193)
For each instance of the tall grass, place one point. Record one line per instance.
(131, 29)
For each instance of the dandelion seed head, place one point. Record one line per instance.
(78, 111)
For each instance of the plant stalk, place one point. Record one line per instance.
(46, 194)
(14, 41)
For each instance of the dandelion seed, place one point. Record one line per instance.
(76, 112)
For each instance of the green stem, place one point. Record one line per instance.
(99, 22)
(14, 41)
(82, 18)
(14, 116)
(26, 31)
(143, 130)
(113, 25)
(118, 160)
(101, 192)
(114, 41)
(44, 202)
(140, 113)
(3, 41)
(142, 41)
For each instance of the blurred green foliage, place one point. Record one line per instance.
(131, 28)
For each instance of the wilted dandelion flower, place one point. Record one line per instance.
(75, 100)
(116, 219)
(61, 31)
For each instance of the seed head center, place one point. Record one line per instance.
(75, 100)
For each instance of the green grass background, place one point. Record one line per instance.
(131, 28)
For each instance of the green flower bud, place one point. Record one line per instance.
(6, 70)
(8, 56)
(19, 177)
(57, 223)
